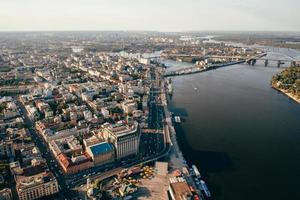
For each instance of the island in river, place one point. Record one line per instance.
(288, 82)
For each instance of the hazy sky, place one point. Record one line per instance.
(161, 15)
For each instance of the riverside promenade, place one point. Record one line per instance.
(176, 157)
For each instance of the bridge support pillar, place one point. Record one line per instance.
(278, 63)
(266, 63)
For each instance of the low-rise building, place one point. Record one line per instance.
(179, 189)
(74, 164)
(101, 153)
(129, 106)
(32, 112)
(36, 186)
(68, 145)
(5, 194)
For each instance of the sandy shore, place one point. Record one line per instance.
(292, 96)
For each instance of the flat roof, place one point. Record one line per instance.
(101, 148)
(121, 129)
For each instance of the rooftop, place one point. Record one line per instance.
(180, 188)
(121, 128)
(101, 148)
(41, 178)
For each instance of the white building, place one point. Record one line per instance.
(37, 186)
(125, 137)
(105, 112)
(129, 106)
(145, 61)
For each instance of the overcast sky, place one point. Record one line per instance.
(159, 15)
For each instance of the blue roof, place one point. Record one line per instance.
(101, 148)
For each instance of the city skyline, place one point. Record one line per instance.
(166, 15)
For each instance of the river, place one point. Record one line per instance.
(243, 135)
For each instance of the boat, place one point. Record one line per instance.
(177, 119)
(205, 189)
(195, 88)
(196, 171)
(170, 89)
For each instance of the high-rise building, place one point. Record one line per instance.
(125, 137)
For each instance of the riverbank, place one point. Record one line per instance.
(287, 82)
(290, 95)
(176, 157)
(195, 70)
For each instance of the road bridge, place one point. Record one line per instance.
(251, 60)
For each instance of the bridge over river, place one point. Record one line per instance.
(231, 60)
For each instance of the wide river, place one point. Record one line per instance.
(242, 134)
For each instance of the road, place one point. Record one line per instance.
(64, 192)
(153, 143)
(68, 182)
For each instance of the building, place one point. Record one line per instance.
(5, 194)
(125, 137)
(95, 139)
(69, 153)
(6, 148)
(32, 112)
(105, 112)
(74, 164)
(129, 106)
(36, 186)
(101, 153)
(68, 145)
(145, 61)
(179, 189)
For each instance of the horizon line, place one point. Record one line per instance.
(184, 31)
